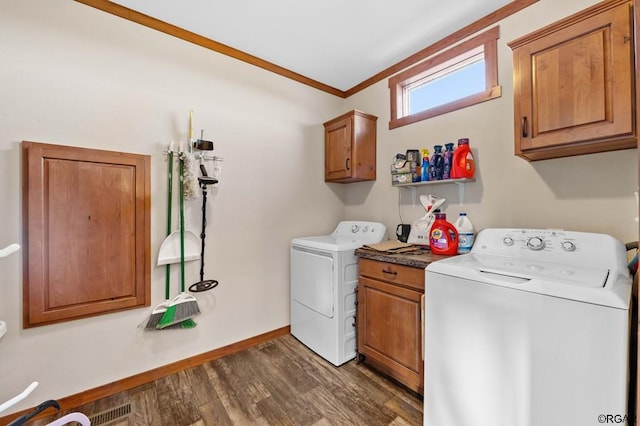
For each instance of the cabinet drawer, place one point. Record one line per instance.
(406, 276)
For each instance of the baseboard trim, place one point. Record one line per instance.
(74, 401)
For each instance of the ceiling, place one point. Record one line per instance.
(335, 42)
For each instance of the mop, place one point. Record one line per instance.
(183, 306)
(159, 311)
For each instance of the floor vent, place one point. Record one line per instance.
(110, 416)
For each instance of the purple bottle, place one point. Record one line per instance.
(437, 164)
(448, 158)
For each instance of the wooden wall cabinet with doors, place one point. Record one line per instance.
(350, 148)
(574, 84)
(389, 320)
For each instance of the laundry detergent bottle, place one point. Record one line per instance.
(466, 233)
(437, 164)
(448, 159)
(464, 165)
(424, 171)
(443, 237)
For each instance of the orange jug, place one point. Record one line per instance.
(464, 165)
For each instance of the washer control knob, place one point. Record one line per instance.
(508, 241)
(568, 246)
(365, 228)
(355, 228)
(535, 243)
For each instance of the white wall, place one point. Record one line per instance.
(592, 193)
(73, 75)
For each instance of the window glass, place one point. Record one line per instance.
(457, 83)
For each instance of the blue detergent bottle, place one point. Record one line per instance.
(424, 170)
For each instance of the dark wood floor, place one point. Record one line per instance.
(280, 382)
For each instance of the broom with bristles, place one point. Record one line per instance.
(183, 306)
(158, 312)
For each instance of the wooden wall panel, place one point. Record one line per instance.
(86, 232)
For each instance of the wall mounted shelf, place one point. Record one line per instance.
(413, 186)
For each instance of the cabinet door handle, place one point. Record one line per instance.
(525, 127)
(394, 273)
(346, 163)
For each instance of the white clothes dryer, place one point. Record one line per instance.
(324, 276)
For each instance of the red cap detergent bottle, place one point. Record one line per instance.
(463, 164)
(443, 237)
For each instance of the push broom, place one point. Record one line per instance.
(183, 306)
(159, 311)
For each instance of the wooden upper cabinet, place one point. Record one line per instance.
(86, 232)
(350, 148)
(574, 84)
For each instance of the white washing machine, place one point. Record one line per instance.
(529, 329)
(324, 276)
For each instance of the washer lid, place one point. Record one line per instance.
(328, 243)
(596, 285)
(348, 235)
(584, 276)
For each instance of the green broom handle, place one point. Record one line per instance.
(182, 221)
(167, 290)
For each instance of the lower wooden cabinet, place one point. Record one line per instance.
(389, 320)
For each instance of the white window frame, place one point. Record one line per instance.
(483, 44)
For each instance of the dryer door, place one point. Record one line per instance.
(312, 279)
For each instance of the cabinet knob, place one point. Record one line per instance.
(525, 127)
(346, 163)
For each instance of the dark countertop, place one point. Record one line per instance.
(416, 260)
